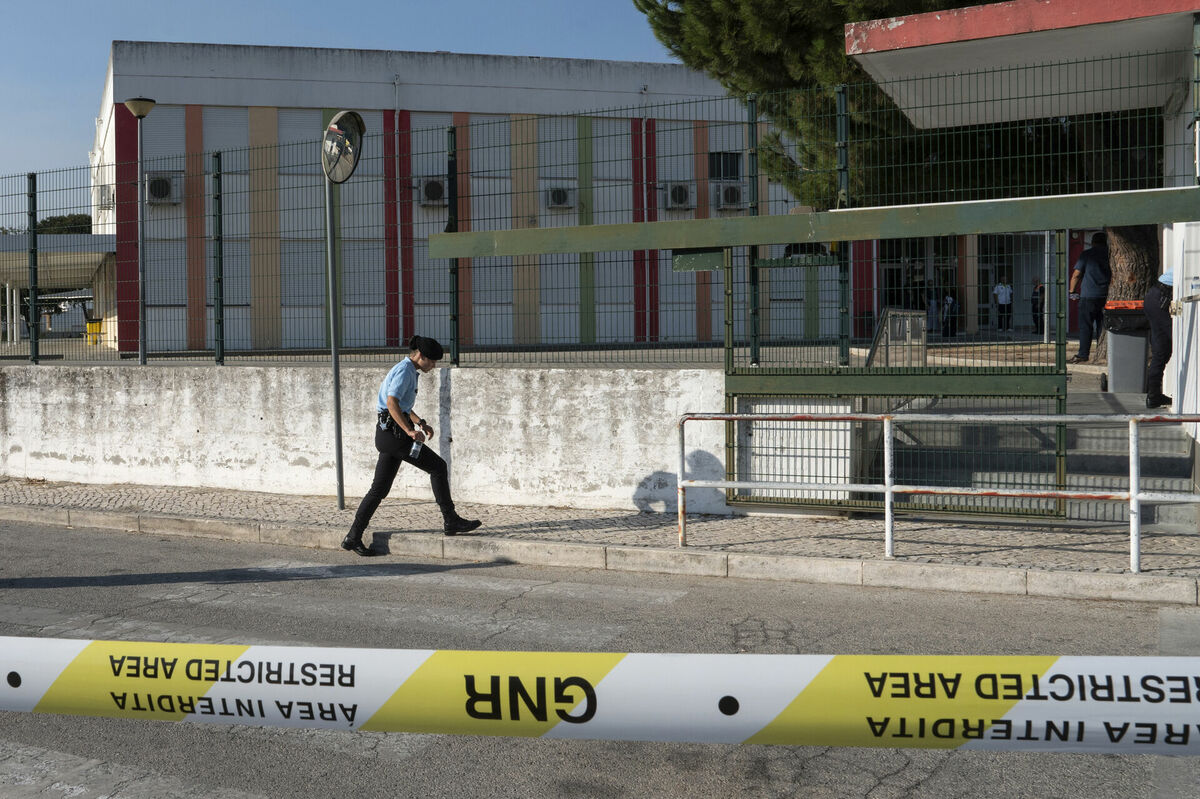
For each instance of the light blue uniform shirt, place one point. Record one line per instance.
(401, 383)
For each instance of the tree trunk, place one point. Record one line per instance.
(1134, 256)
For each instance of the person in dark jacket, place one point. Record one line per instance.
(1158, 312)
(1036, 304)
(1089, 285)
(400, 437)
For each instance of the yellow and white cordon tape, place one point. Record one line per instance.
(1033, 703)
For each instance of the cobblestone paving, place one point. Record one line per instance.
(1096, 547)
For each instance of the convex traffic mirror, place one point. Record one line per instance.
(342, 145)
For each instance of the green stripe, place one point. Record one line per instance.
(812, 304)
(587, 260)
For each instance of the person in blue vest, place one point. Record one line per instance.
(400, 437)
(1157, 307)
(1089, 285)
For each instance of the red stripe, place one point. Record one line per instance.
(407, 273)
(652, 311)
(998, 19)
(862, 287)
(127, 229)
(391, 256)
(639, 215)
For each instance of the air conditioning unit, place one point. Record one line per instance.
(431, 191)
(560, 197)
(164, 188)
(680, 195)
(728, 195)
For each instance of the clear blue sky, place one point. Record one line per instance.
(54, 52)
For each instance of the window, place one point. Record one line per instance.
(724, 166)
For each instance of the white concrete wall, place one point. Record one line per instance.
(587, 438)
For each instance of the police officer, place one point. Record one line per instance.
(1158, 312)
(400, 437)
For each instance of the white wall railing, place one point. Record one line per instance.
(1134, 496)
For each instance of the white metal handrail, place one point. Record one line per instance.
(1134, 496)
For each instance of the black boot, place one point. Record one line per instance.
(1157, 400)
(453, 524)
(353, 543)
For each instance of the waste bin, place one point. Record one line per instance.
(1128, 346)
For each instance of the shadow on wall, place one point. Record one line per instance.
(443, 431)
(656, 493)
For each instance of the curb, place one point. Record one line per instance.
(748, 566)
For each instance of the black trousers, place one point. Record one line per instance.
(1091, 323)
(394, 451)
(1005, 309)
(1159, 315)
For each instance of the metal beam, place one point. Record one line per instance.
(1152, 206)
(891, 384)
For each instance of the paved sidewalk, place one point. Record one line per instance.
(994, 556)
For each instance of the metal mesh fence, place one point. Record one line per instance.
(985, 455)
(234, 253)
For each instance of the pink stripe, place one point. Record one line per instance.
(998, 19)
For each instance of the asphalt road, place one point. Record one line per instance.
(98, 584)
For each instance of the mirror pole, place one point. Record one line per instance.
(331, 299)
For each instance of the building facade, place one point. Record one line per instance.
(540, 142)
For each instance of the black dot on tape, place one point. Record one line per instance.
(14, 679)
(728, 705)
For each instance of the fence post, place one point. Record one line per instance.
(31, 205)
(1135, 504)
(1196, 97)
(889, 494)
(843, 201)
(218, 264)
(727, 275)
(1060, 365)
(753, 271)
(681, 492)
(335, 327)
(452, 227)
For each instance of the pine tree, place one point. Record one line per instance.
(791, 54)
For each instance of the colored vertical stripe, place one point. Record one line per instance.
(704, 331)
(404, 169)
(523, 142)
(639, 215)
(862, 287)
(812, 303)
(764, 275)
(587, 204)
(266, 295)
(651, 150)
(391, 223)
(193, 208)
(127, 229)
(465, 299)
